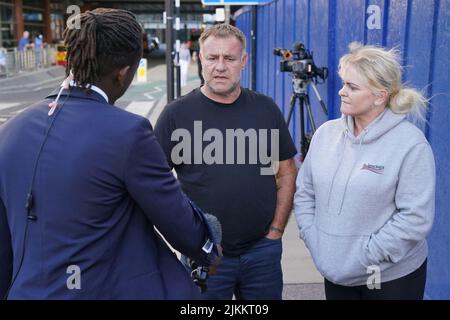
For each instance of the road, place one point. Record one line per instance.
(19, 92)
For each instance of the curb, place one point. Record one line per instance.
(32, 79)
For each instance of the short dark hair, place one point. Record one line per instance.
(106, 40)
(223, 30)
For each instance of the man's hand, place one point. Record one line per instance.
(212, 269)
(274, 233)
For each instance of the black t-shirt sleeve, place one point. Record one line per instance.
(163, 132)
(287, 147)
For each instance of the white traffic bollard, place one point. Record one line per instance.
(142, 71)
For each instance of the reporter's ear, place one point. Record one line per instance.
(122, 75)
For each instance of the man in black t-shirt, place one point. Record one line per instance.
(233, 155)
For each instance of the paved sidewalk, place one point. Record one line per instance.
(32, 80)
(301, 279)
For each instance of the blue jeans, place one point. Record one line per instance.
(254, 275)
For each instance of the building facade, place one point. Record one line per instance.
(39, 17)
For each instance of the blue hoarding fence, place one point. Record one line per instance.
(234, 2)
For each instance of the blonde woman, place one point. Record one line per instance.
(365, 193)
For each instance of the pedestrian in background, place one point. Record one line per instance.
(24, 41)
(23, 56)
(365, 192)
(38, 47)
(195, 49)
(185, 61)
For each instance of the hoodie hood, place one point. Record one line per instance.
(375, 129)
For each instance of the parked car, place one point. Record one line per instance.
(150, 43)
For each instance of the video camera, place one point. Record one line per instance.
(300, 63)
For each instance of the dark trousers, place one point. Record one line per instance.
(409, 287)
(254, 275)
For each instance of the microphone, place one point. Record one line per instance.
(215, 228)
(199, 273)
(212, 246)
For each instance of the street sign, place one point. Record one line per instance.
(142, 71)
(234, 2)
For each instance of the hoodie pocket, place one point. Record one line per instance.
(310, 240)
(340, 259)
(365, 261)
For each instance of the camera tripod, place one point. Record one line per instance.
(299, 91)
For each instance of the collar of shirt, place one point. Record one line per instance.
(94, 88)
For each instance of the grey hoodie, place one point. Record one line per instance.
(366, 201)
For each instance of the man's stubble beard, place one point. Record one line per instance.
(223, 93)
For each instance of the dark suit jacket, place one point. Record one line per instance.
(101, 185)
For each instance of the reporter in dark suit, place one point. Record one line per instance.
(83, 183)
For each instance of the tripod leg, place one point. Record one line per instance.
(322, 104)
(291, 110)
(306, 138)
(303, 140)
(310, 115)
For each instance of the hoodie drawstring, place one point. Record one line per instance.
(345, 133)
(348, 178)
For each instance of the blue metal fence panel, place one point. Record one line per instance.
(420, 29)
(438, 281)
(262, 49)
(419, 39)
(318, 44)
(333, 85)
(279, 42)
(270, 62)
(301, 34)
(396, 24)
(289, 40)
(374, 36)
(245, 25)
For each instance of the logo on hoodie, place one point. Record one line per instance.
(374, 168)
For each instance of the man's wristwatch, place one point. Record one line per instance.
(275, 229)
